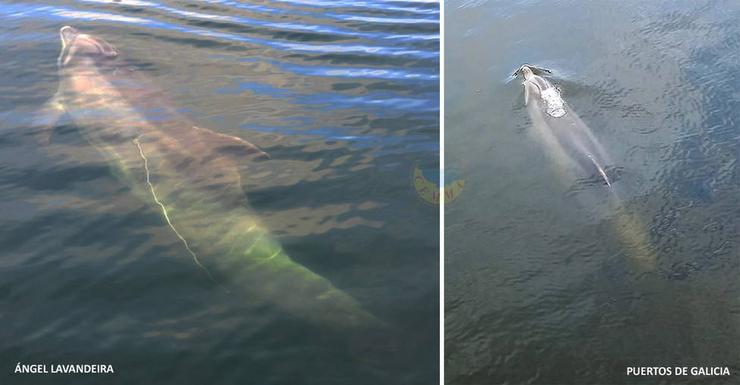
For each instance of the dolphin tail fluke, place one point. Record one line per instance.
(223, 140)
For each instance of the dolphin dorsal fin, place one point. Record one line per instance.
(223, 140)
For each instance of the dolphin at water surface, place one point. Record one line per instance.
(191, 175)
(570, 142)
(574, 150)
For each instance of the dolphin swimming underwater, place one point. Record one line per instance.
(191, 175)
(577, 154)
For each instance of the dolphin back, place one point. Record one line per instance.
(192, 176)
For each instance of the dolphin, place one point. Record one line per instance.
(571, 142)
(191, 175)
(577, 154)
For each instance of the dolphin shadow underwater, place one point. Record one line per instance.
(191, 176)
(580, 159)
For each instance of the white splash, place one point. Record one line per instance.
(554, 103)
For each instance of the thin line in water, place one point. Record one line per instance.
(601, 171)
(164, 211)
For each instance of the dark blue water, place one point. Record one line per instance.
(342, 95)
(540, 288)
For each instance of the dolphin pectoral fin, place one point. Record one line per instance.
(46, 118)
(223, 140)
(526, 95)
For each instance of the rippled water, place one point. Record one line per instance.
(539, 287)
(343, 95)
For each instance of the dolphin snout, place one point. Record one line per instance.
(67, 34)
(528, 69)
